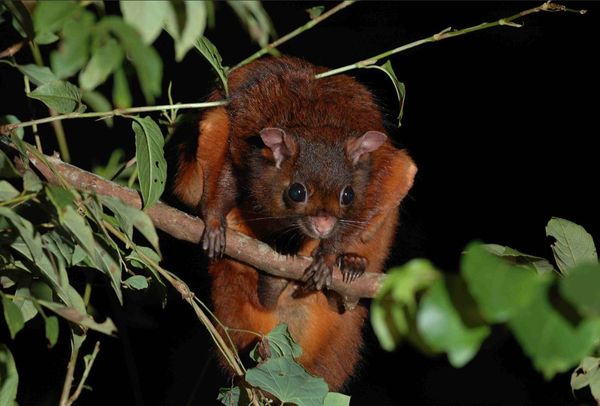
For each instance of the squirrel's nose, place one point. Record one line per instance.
(323, 225)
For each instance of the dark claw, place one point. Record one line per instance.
(318, 275)
(213, 241)
(352, 266)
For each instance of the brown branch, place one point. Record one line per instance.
(189, 228)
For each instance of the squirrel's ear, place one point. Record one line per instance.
(280, 144)
(368, 142)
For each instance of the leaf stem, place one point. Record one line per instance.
(86, 372)
(449, 33)
(311, 23)
(7, 128)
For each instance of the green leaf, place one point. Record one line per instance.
(104, 61)
(97, 102)
(60, 197)
(195, 23)
(278, 343)
(13, 316)
(21, 300)
(129, 217)
(398, 86)
(152, 166)
(51, 327)
(210, 52)
(31, 182)
(442, 328)
(580, 288)
(73, 51)
(58, 95)
(229, 396)
(121, 94)
(109, 170)
(78, 316)
(255, 19)
(500, 289)
(39, 75)
(336, 399)
(315, 12)
(573, 245)
(146, 16)
(146, 60)
(46, 38)
(10, 119)
(514, 257)
(7, 169)
(7, 191)
(9, 378)
(587, 374)
(136, 282)
(288, 381)
(398, 296)
(550, 340)
(49, 16)
(22, 18)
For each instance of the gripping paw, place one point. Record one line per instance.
(318, 275)
(352, 266)
(213, 240)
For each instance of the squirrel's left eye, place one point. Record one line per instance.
(347, 196)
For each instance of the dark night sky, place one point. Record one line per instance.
(501, 124)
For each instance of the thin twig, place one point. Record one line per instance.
(7, 128)
(273, 45)
(86, 372)
(448, 33)
(64, 396)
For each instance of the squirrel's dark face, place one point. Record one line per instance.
(318, 188)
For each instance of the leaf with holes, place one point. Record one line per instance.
(587, 374)
(152, 166)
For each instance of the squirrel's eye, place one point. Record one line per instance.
(347, 196)
(297, 192)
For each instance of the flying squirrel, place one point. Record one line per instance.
(304, 165)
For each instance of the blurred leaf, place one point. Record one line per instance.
(9, 381)
(336, 399)
(51, 327)
(7, 169)
(255, 19)
(109, 170)
(21, 17)
(514, 257)
(288, 381)
(500, 289)
(146, 60)
(573, 245)
(58, 95)
(72, 53)
(10, 119)
(152, 166)
(195, 23)
(31, 182)
(587, 374)
(398, 86)
(121, 94)
(550, 340)
(99, 103)
(397, 296)
(210, 52)
(104, 61)
(442, 328)
(146, 16)
(580, 287)
(13, 316)
(39, 75)
(136, 282)
(49, 16)
(315, 12)
(129, 217)
(7, 191)
(46, 38)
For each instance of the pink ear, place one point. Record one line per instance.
(281, 144)
(368, 142)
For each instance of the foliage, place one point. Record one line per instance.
(50, 235)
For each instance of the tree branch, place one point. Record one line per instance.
(189, 228)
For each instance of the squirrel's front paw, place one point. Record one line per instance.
(352, 266)
(318, 275)
(213, 239)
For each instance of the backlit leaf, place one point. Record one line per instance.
(146, 16)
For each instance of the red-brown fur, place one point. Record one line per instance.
(323, 114)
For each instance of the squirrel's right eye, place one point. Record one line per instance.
(297, 192)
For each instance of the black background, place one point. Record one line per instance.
(502, 124)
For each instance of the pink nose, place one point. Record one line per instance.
(323, 224)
